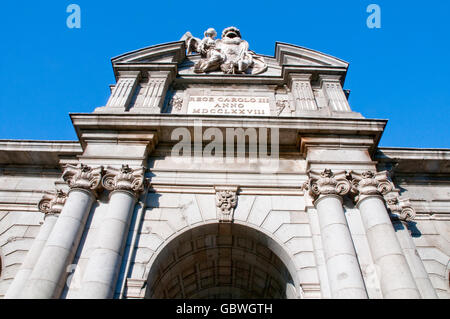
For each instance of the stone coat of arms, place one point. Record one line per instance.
(231, 54)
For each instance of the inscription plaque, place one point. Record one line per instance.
(229, 105)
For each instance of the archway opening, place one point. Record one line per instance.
(217, 261)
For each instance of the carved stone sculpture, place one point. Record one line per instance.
(176, 103)
(226, 200)
(230, 54)
(281, 105)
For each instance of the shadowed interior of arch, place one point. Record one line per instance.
(218, 261)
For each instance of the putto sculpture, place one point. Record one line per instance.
(230, 54)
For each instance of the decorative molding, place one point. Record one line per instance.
(226, 201)
(83, 176)
(135, 288)
(281, 105)
(310, 291)
(125, 178)
(52, 203)
(176, 103)
(327, 183)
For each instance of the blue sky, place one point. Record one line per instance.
(399, 72)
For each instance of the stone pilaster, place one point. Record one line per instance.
(102, 269)
(344, 273)
(124, 90)
(154, 92)
(334, 93)
(48, 277)
(302, 92)
(226, 201)
(402, 214)
(396, 278)
(51, 205)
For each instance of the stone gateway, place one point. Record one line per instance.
(167, 192)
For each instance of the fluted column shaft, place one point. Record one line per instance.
(396, 279)
(51, 206)
(102, 270)
(48, 276)
(344, 273)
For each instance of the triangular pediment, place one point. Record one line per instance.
(286, 56)
(292, 55)
(173, 52)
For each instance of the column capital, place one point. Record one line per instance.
(226, 201)
(370, 184)
(300, 76)
(83, 177)
(125, 179)
(401, 209)
(52, 203)
(330, 78)
(325, 183)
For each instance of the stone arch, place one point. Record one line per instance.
(222, 260)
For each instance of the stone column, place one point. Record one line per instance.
(51, 205)
(344, 273)
(102, 269)
(396, 279)
(402, 214)
(48, 276)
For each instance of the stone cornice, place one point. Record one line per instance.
(403, 161)
(290, 128)
(37, 153)
(394, 153)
